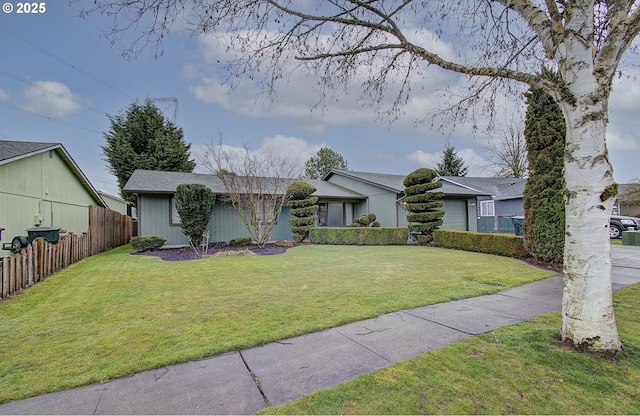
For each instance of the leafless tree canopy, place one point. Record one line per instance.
(385, 45)
(507, 150)
(255, 184)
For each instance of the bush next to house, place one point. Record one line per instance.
(366, 220)
(422, 203)
(303, 208)
(146, 243)
(194, 203)
(359, 236)
(500, 244)
(240, 242)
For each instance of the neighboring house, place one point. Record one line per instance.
(115, 203)
(157, 215)
(470, 204)
(622, 207)
(497, 200)
(41, 185)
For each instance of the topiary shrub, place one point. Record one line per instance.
(303, 208)
(422, 202)
(240, 242)
(366, 220)
(146, 243)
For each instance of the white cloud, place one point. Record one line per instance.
(289, 149)
(300, 99)
(3, 96)
(51, 98)
(621, 141)
(427, 160)
(472, 160)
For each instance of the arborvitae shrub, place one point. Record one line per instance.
(543, 195)
(194, 203)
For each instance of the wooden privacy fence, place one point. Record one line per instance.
(107, 229)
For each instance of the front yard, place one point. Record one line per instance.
(116, 314)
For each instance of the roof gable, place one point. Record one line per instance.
(14, 150)
(393, 183)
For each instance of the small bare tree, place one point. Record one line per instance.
(255, 184)
(507, 150)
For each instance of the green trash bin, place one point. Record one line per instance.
(518, 223)
(631, 238)
(51, 234)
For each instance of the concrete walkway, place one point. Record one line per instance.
(247, 381)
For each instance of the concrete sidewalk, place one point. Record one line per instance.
(247, 381)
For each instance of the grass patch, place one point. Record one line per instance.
(520, 369)
(115, 314)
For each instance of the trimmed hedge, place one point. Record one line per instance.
(146, 243)
(500, 244)
(359, 236)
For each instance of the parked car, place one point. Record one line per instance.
(618, 224)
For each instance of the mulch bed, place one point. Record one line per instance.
(187, 253)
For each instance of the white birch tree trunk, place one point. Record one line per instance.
(587, 305)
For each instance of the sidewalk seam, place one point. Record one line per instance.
(439, 323)
(255, 380)
(364, 346)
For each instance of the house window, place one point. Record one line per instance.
(335, 214)
(322, 214)
(269, 212)
(487, 209)
(173, 213)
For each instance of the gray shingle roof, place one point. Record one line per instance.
(499, 188)
(149, 181)
(11, 150)
(451, 185)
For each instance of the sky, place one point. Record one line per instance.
(60, 79)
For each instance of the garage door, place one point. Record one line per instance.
(455, 217)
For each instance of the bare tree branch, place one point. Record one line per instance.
(255, 184)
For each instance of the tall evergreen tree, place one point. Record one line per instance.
(544, 226)
(141, 138)
(322, 162)
(451, 164)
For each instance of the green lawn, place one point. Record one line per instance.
(116, 314)
(520, 369)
